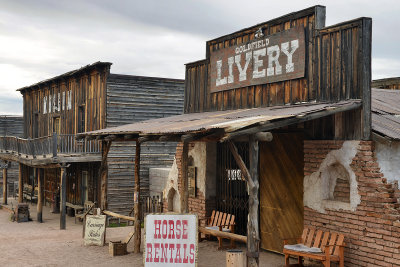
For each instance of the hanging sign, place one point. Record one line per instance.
(95, 228)
(267, 59)
(171, 240)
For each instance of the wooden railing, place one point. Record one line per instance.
(48, 146)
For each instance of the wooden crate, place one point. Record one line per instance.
(117, 248)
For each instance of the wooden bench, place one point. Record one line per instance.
(81, 213)
(219, 221)
(331, 246)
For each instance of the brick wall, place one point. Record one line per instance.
(373, 230)
(197, 204)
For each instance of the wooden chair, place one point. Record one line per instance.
(87, 207)
(331, 247)
(219, 221)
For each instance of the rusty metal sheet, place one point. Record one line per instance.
(266, 59)
(229, 120)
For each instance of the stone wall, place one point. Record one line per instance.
(370, 221)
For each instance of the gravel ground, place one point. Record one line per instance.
(43, 244)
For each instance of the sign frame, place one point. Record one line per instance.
(264, 60)
(196, 251)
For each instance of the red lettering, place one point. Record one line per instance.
(178, 258)
(184, 226)
(171, 247)
(149, 254)
(191, 253)
(171, 234)
(164, 229)
(157, 228)
(156, 248)
(178, 229)
(185, 258)
(164, 251)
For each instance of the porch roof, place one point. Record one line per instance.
(228, 123)
(386, 112)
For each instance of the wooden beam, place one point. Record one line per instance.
(240, 163)
(105, 148)
(268, 126)
(137, 226)
(5, 184)
(130, 137)
(116, 215)
(253, 235)
(170, 138)
(110, 137)
(366, 77)
(227, 235)
(40, 195)
(261, 136)
(20, 184)
(63, 196)
(184, 189)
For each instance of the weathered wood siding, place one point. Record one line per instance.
(84, 89)
(337, 60)
(132, 99)
(11, 126)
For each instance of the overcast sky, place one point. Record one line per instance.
(44, 38)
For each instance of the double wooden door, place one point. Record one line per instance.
(281, 190)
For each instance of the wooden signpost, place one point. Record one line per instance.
(95, 229)
(171, 240)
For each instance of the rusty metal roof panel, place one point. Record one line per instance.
(386, 112)
(229, 120)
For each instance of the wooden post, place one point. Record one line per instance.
(253, 235)
(105, 148)
(20, 184)
(63, 196)
(137, 235)
(184, 190)
(40, 196)
(5, 184)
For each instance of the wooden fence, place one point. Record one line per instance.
(49, 145)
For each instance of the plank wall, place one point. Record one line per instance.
(11, 126)
(337, 66)
(87, 88)
(131, 99)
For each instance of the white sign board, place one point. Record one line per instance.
(95, 228)
(171, 240)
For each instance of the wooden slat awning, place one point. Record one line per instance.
(230, 122)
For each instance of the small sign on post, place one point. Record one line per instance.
(95, 230)
(171, 240)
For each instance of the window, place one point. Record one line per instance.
(81, 119)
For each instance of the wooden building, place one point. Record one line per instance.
(87, 99)
(10, 125)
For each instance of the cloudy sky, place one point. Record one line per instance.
(44, 38)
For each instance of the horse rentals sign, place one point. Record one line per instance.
(274, 58)
(171, 240)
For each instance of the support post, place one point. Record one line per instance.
(253, 235)
(40, 196)
(184, 190)
(5, 184)
(137, 227)
(63, 196)
(105, 148)
(20, 184)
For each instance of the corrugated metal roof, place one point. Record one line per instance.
(385, 108)
(229, 120)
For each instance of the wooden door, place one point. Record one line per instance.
(281, 190)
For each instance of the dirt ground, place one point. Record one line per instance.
(43, 244)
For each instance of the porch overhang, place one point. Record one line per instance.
(220, 125)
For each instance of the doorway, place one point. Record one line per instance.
(281, 189)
